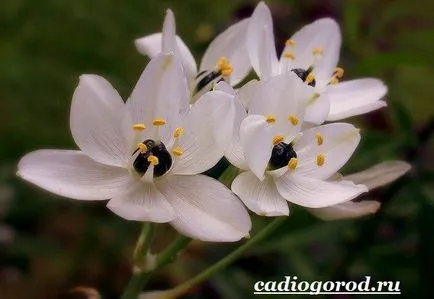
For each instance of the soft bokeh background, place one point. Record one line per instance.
(49, 245)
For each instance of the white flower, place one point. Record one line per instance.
(225, 59)
(146, 155)
(313, 54)
(283, 165)
(373, 177)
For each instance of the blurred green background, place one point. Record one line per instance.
(49, 245)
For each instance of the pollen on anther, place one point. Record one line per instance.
(317, 51)
(290, 43)
(293, 119)
(289, 55)
(159, 122)
(270, 119)
(334, 81)
(177, 151)
(309, 78)
(339, 72)
(142, 147)
(320, 160)
(277, 139)
(319, 139)
(292, 164)
(178, 132)
(153, 160)
(139, 127)
(224, 66)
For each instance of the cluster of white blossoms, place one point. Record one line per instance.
(147, 154)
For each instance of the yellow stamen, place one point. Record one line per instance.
(289, 55)
(319, 139)
(277, 139)
(178, 132)
(177, 151)
(270, 119)
(293, 119)
(320, 160)
(159, 122)
(292, 164)
(339, 72)
(334, 80)
(317, 51)
(153, 160)
(290, 43)
(309, 78)
(139, 127)
(143, 148)
(224, 66)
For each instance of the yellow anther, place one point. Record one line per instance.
(142, 147)
(177, 151)
(139, 127)
(292, 164)
(159, 122)
(289, 55)
(334, 80)
(317, 51)
(270, 119)
(224, 66)
(153, 160)
(339, 72)
(309, 78)
(178, 132)
(320, 160)
(290, 43)
(319, 139)
(277, 139)
(293, 119)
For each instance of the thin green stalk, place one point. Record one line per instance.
(227, 260)
(168, 255)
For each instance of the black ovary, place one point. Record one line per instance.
(159, 150)
(281, 155)
(302, 74)
(208, 78)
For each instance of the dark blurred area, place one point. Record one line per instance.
(50, 246)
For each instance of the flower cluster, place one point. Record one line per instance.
(147, 154)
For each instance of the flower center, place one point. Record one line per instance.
(281, 155)
(305, 75)
(155, 153)
(207, 78)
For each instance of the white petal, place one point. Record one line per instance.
(248, 91)
(355, 97)
(345, 210)
(232, 45)
(72, 174)
(339, 141)
(325, 34)
(206, 209)
(317, 110)
(97, 121)
(260, 197)
(208, 129)
(256, 137)
(380, 174)
(161, 92)
(260, 43)
(314, 193)
(169, 33)
(142, 202)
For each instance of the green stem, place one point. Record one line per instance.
(139, 279)
(186, 286)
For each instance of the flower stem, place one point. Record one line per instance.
(227, 260)
(168, 255)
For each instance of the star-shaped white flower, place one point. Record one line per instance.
(283, 164)
(312, 53)
(146, 155)
(225, 59)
